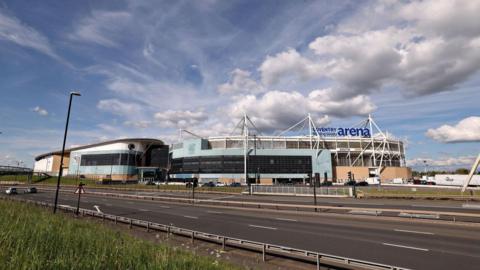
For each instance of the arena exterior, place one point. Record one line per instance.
(116, 160)
(332, 153)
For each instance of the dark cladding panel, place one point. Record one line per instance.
(234, 164)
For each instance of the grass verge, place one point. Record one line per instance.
(92, 183)
(33, 238)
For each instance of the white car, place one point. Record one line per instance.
(11, 191)
(220, 184)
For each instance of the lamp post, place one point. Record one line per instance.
(60, 172)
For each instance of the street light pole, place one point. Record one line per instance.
(60, 172)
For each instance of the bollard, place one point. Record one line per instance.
(115, 219)
(318, 262)
(193, 236)
(263, 252)
(223, 243)
(130, 225)
(168, 231)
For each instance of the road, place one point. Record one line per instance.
(405, 243)
(420, 204)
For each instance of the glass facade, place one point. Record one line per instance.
(234, 164)
(109, 159)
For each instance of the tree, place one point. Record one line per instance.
(462, 171)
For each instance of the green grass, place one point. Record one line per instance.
(33, 238)
(92, 183)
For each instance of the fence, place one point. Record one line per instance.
(303, 191)
(264, 248)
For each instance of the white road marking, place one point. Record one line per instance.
(471, 206)
(190, 217)
(286, 219)
(263, 227)
(366, 212)
(418, 232)
(97, 208)
(401, 246)
(214, 212)
(434, 206)
(426, 216)
(64, 205)
(161, 206)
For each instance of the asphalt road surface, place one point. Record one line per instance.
(419, 204)
(405, 243)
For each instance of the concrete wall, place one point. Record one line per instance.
(389, 173)
(44, 164)
(51, 164)
(341, 173)
(361, 173)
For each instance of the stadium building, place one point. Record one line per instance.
(117, 160)
(330, 153)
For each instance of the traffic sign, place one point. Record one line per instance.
(80, 190)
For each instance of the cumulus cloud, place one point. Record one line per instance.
(13, 30)
(449, 162)
(138, 124)
(288, 64)
(101, 27)
(118, 107)
(277, 110)
(180, 119)
(40, 111)
(467, 130)
(240, 82)
(420, 47)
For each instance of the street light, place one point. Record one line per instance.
(60, 172)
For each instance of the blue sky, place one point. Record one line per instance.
(149, 68)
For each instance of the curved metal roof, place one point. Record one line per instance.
(67, 151)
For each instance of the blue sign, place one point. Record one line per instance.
(343, 132)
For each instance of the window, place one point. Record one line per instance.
(108, 159)
(234, 164)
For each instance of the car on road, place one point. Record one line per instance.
(11, 191)
(235, 184)
(362, 184)
(220, 184)
(208, 184)
(30, 190)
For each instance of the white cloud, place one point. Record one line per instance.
(13, 30)
(138, 124)
(118, 107)
(287, 65)
(102, 27)
(181, 119)
(420, 47)
(41, 111)
(278, 110)
(449, 162)
(467, 130)
(240, 82)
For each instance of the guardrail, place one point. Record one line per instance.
(225, 241)
(302, 191)
(379, 212)
(382, 212)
